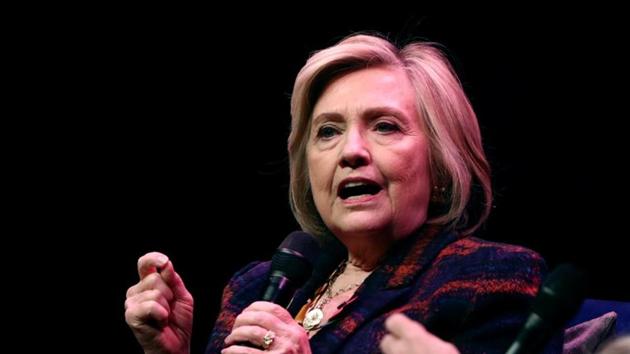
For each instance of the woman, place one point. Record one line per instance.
(385, 156)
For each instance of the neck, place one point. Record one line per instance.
(348, 276)
(362, 263)
(366, 254)
(367, 250)
(359, 268)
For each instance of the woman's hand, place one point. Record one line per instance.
(262, 320)
(408, 336)
(159, 309)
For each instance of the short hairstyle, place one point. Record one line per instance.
(462, 193)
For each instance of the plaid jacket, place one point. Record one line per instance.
(473, 293)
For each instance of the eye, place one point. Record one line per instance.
(327, 132)
(386, 127)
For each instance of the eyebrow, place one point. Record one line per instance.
(370, 112)
(326, 116)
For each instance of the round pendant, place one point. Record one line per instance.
(312, 319)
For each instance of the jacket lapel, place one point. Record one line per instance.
(385, 289)
(329, 339)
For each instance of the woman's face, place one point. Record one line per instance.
(368, 157)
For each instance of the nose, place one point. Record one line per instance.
(355, 151)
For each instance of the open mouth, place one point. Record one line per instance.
(358, 189)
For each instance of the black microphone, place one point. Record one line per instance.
(291, 266)
(558, 299)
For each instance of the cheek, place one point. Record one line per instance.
(312, 167)
(319, 179)
(318, 174)
(411, 185)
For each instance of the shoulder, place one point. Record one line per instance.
(248, 278)
(475, 252)
(489, 267)
(250, 272)
(482, 288)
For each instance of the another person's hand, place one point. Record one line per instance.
(159, 309)
(410, 337)
(268, 326)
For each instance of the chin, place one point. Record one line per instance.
(361, 225)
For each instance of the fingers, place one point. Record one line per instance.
(150, 262)
(276, 310)
(160, 320)
(139, 314)
(256, 318)
(401, 326)
(149, 301)
(146, 296)
(261, 318)
(391, 345)
(152, 281)
(264, 314)
(157, 272)
(251, 334)
(239, 349)
(410, 337)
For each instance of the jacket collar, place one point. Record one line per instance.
(385, 285)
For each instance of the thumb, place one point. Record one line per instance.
(174, 281)
(402, 326)
(150, 263)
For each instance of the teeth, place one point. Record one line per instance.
(355, 184)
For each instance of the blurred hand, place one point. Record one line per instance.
(159, 309)
(410, 337)
(256, 320)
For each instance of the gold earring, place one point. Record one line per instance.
(438, 195)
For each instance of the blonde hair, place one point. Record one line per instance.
(457, 160)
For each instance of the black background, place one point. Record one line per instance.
(180, 142)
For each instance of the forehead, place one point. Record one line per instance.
(367, 88)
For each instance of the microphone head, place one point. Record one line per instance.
(295, 256)
(560, 295)
(301, 243)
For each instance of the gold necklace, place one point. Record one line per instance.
(315, 314)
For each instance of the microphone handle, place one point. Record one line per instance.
(276, 290)
(532, 337)
(273, 293)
